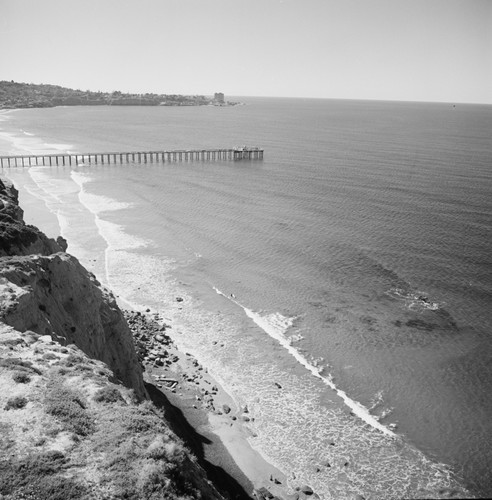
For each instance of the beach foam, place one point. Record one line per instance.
(414, 300)
(276, 325)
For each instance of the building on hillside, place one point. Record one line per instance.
(219, 98)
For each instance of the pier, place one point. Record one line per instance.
(240, 153)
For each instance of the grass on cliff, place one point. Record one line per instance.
(142, 458)
(138, 455)
(19, 365)
(15, 403)
(69, 407)
(38, 476)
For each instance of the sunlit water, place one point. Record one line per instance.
(351, 267)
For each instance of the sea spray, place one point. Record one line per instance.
(114, 236)
(276, 325)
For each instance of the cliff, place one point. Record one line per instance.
(16, 237)
(72, 421)
(67, 432)
(52, 294)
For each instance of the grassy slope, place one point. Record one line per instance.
(67, 432)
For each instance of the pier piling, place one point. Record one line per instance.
(242, 153)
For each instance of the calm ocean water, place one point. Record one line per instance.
(358, 256)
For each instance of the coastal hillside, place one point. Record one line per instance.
(47, 291)
(29, 95)
(74, 418)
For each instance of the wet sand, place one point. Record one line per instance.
(203, 414)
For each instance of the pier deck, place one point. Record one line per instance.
(243, 153)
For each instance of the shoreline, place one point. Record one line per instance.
(220, 437)
(223, 435)
(217, 437)
(214, 427)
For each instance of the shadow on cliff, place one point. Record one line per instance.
(228, 486)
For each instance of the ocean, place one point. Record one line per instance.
(340, 288)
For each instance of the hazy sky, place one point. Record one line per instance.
(428, 50)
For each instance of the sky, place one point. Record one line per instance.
(416, 50)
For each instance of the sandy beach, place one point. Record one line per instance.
(202, 413)
(197, 407)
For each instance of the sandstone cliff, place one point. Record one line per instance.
(72, 421)
(16, 237)
(52, 294)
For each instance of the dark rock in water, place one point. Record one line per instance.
(307, 490)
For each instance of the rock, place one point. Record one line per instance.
(307, 490)
(17, 238)
(62, 242)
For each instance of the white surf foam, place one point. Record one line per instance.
(414, 300)
(276, 325)
(95, 203)
(117, 240)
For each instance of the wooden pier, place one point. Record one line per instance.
(242, 153)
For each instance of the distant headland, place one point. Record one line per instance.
(15, 95)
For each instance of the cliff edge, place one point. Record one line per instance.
(72, 421)
(47, 291)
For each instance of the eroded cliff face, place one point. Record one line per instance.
(16, 237)
(54, 295)
(68, 427)
(49, 292)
